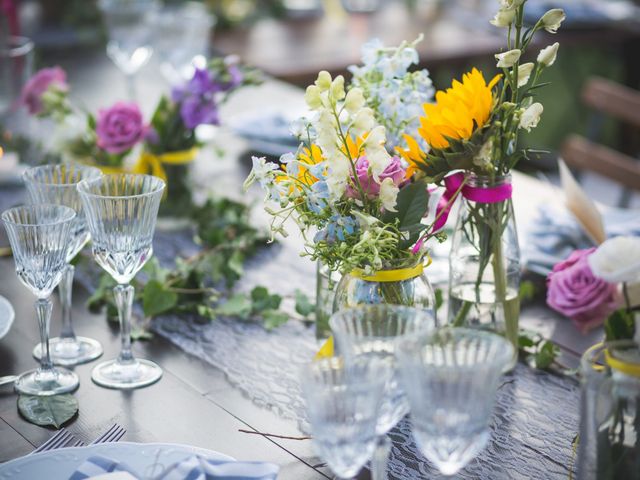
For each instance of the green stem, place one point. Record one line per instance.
(462, 314)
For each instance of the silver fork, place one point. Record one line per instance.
(62, 438)
(113, 434)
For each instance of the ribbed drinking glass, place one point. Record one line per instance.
(57, 184)
(121, 213)
(342, 406)
(451, 378)
(39, 235)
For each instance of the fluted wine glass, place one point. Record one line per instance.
(121, 212)
(39, 235)
(342, 405)
(372, 332)
(451, 378)
(57, 184)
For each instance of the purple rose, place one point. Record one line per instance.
(33, 90)
(574, 291)
(120, 127)
(394, 171)
(195, 111)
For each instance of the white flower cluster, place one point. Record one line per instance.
(395, 94)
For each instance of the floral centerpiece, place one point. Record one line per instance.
(474, 126)
(164, 147)
(358, 206)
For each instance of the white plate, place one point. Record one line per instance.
(60, 464)
(6, 316)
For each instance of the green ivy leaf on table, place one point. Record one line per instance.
(53, 410)
(536, 350)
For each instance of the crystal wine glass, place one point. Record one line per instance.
(121, 212)
(39, 235)
(451, 378)
(371, 332)
(342, 406)
(129, 23)
(56, 184)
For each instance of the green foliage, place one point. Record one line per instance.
(203, 284)
(527, 291)
(439, 298)
(304, 306)
(536, 350)
(619, 326)
(412, 205)
(53, 410)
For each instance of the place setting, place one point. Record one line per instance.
(380, 258)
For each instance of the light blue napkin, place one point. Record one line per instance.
(191, 468)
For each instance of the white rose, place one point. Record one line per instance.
(617, 260)
(547, 55)
(552, 19)
(504, 17)
(323, 81)
(524, 72)
(531, 116)
(354, 101)
(389, 195)
(508, 59)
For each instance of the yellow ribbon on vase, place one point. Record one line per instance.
(383, 276)
(149, 163)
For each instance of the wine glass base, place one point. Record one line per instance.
(125, 376)
(68, 352)
(47, 382)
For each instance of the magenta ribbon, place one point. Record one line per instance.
(8, 8)
(452, 184)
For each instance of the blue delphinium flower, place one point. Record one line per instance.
(338, 227)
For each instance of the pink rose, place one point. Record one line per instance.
(394, 171)
(574, 291)
(46, 78)
(120, 127)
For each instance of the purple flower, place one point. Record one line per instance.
(371, 188)
(37, 85)
(236, 76)
(120, 127)
(195, 111)
(574, 291)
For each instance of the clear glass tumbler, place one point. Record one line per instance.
(39, 235)
(342, 406)
(56, 184)
(451, 378)
(121, 213)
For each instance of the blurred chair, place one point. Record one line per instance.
(605, 97)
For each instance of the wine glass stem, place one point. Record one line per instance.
(64, 289)
(124, 300)
(44, 307)
(380, 458)
(131, 85)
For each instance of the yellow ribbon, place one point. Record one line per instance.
(628, 368)
(150, 163)
(596, 366)
(326, 350)
(108, 170)
(397, 275)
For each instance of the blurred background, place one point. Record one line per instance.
(114, 49)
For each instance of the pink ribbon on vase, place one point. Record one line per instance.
(452, 185)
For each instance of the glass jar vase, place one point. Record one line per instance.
(408, 286)
(326, 281)
(609, 441)
(484, 264)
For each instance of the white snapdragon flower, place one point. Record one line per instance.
(508, 59)
(389, 195)
(337, 88)
(617, 260)
(312, 97)
(323, 82)
(504, 17)
(552, 19)
(483, 157)
(379, 159)
(363, 121)
(531, 116)
(262, 172)
(354, 101)
(524, 72)
(338, 175)
(547, 55)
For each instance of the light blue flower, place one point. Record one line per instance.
(317, 197)
(337, 228)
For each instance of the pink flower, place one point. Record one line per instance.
(574, 291)
(46, 78)
(371, 188)
(120, 127)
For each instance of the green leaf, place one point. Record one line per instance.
(274, 318)
(156, 299)
(236, 262)
(546, 355)
(619, 326)
(140, 333)
(303, 305)
(527, 291)
(53, 410)
(439, 298)
(155, 271)
(263, 300)
(412, 204)
(525, 341)
(239, 305)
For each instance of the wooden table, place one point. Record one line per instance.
(193, 403)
